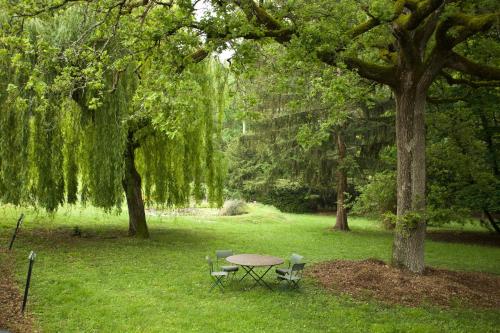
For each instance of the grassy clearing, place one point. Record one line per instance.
(107, 282)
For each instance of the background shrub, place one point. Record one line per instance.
(233, 207)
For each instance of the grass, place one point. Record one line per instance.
(107, 282)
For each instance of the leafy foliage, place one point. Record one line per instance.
(77, 86)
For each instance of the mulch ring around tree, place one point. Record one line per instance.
(11, 318)
(372, 278)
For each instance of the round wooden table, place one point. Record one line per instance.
(250, 261)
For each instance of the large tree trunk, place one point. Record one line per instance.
(408, 246)
(341, 221)
(133, 191)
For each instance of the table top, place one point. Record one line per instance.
(254, 260)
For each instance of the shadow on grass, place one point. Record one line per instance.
(466, 237)
(69, 237)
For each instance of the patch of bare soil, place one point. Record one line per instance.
(475, 238)
(375, 279)
(11, 318)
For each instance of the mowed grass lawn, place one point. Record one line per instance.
(107, 282)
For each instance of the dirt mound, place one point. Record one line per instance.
(374, 278)
(11, 318)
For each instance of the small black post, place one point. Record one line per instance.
(19, 221)
(31, 257)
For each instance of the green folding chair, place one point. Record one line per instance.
(294, 259)
(293, 278)
(216, 276)
(223, 254)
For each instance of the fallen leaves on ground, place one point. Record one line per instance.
(374, 278)
(11, 318)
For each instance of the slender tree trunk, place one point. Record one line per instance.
(494, 223)
(133, 191)
(488, 137)
(408, 246)
(341, 221)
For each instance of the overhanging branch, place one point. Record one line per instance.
(424, 32)
(464, 65)
(194, 57)
(360, 29)
(254, 11)
(471, 83)
(420, 11)
(377, 73)
(465, 26)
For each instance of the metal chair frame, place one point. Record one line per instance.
(294, 277)
(294, 259)
(222, 254)
(216, 276)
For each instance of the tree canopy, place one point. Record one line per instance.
(406, 45)
(91, 106)
(127, 71)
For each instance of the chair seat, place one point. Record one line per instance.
(289, 277)
(283, 271)
(219, 273)
(229, 268)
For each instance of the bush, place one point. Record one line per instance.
(292, 197)
(233, 207)
(378, 197)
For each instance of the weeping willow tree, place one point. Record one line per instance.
(84, 118)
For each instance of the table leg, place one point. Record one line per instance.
(259, 280)
(248, 270)
(251, 272)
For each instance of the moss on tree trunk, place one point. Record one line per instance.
(408, 245)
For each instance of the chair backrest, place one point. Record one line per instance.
(210, 263)
(297, 269)
(221, 254)
(295, 258)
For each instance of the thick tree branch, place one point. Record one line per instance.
(360, 29)
(422, 9)
(281, 35)
(265, 25)
(254, 11)
(377, 73)
(464, 65)
(425, 31)
(463, 27)
(422, 17)
(471, 83)
(194, 57)
(445, 100)
(408, 53)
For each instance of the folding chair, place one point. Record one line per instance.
(223, 254)
(294, 259)
(293, 278)
(216, 276)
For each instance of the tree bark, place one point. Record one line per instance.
(341, 220)
(408, 246)
(132, 186)
(494, 223)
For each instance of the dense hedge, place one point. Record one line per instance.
(290, 197)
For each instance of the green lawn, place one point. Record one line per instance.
(107, 282)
